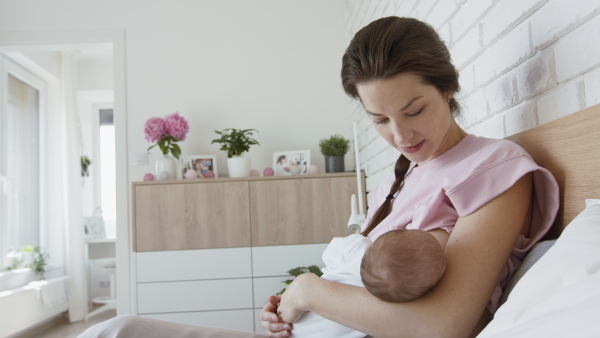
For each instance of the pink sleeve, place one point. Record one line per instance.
(475, 192)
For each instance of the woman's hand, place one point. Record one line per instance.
(272, 322)
(293, 301)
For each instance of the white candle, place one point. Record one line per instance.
(358, 175)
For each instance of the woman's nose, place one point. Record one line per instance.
(401, 134)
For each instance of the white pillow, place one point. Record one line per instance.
(532, 257)
(560, 295)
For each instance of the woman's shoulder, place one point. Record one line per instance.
(484, 146)
(480, 154)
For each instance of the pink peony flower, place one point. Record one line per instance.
(155, 129)
(176, 126)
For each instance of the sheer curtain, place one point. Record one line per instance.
(71, 154)
(22, 170)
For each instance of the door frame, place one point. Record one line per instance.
(20, 40)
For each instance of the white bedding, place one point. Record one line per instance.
(560, 295)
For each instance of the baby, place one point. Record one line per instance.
(399, 266)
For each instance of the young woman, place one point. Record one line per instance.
(489, 194)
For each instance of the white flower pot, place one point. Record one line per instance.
(166, 168)
(239, 166)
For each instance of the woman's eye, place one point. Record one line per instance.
(379, 122)
(417, 113)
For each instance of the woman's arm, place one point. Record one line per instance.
(476, 254)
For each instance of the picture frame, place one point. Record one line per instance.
(200, 163)
(94, 227)
(291, 162)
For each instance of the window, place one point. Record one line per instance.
(19, 159)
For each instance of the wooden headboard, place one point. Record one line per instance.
(570, 148)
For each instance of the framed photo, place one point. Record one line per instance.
(94, 227)
(199, 163)
(295, 162)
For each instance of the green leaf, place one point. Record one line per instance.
(175, 150)
(235, 141)
(297, 271)
(336, 145)
(315, 269)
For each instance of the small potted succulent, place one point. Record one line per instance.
(236, 142)
(334, 149)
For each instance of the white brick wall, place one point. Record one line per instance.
(522, 63)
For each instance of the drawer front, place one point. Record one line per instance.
(226, 294)
(265, 287)
(182, 265)
(194, 215)
(268, 261)
(316, 211)
(242, 320)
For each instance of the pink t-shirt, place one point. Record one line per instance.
(459, 182)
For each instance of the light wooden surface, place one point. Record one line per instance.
(242, 212)
(304, 211)
(570, 148)
(191, 216)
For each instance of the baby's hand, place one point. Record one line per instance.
(272, 322)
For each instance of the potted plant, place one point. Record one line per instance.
(334, 149)
(85, 164)
(236, 142)
(165, 133)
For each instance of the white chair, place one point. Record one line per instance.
(110, 302)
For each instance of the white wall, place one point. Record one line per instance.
(522, 63)
(271, 65)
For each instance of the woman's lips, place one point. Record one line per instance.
(414, 148)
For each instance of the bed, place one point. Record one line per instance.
(556, 292)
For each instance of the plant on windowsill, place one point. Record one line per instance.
(334, 149)
(298, 271)
(236, 142)
(30, 256)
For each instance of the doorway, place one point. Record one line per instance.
(73, 40)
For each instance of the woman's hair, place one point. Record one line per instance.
(388, 47)
(402, 265)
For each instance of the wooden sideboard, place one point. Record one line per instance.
(253, 211)
(210, 251)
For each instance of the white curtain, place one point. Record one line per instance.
(71, 153)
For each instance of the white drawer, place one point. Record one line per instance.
(242, 320)
(267, 286)
(183, 265)
(227, 294)
(278, 260)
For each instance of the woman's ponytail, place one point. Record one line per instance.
(401, 170)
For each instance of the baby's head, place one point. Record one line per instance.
(402, 265)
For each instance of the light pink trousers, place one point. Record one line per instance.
(128, 326)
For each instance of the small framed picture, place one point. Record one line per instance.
(201, 164)
(295, 162)
(94, 227)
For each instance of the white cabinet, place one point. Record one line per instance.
(217, 287)
(214, 262)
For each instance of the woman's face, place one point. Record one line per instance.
(412, 116)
